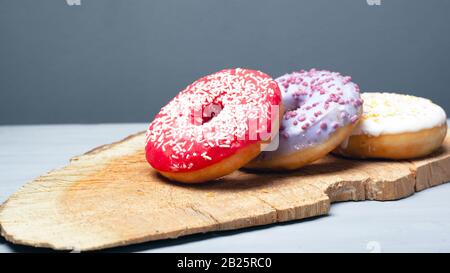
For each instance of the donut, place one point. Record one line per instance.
(322, 108)
(214, 126)
(396, 126)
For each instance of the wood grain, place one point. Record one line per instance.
(111, 197)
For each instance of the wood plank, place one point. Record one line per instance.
(111, 197)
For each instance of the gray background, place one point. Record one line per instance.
(120, 61)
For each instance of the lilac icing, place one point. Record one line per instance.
(317, 103)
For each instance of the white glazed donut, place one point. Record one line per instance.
(322, 107)
(396, 126)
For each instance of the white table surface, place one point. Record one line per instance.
(420, 223)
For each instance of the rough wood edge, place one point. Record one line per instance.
(104, 147)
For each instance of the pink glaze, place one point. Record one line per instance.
(212, 119)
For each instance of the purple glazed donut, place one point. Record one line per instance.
(322, 107)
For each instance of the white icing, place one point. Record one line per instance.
(316, 88)
(390, 113)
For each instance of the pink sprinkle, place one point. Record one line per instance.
(318, 113)
(301, 118)
(295, 123)
(335, 125)
(318, 132)
(358, 102)
(305, 84)
(290, 114)
(323, 126)
(305, 126)
(354, 119)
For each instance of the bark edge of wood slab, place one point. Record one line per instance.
(111, 197)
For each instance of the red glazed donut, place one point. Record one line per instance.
(214, 126)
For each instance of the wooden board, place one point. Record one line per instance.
(111, 197)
